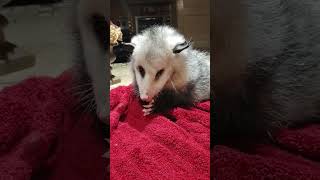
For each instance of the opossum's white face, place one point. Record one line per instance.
(151, 76)
(157, 62)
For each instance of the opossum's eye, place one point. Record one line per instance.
(141, 71)
(159, 73)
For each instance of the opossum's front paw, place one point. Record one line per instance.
(107, 155)
(102, 113)
(147, 111)
(148, 108)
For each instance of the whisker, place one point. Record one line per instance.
(89, 104)
(86, 96)
(83, 102)
(85, 105)
(92, 106)
(78, 87)
(174, 87)
(82, 84)
(83, 92)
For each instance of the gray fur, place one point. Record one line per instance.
(199, 73)
(284, 38)
(280, 87)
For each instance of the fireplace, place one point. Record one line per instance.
(143, 22)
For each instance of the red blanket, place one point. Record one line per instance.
(153, 147)
(296, 157)
(41, 137)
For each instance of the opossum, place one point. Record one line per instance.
(90, 28)
(267, 67)
(167, 71)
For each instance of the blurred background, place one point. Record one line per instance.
(190, 17)
(35, 39)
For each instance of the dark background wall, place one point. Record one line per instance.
(30, 2)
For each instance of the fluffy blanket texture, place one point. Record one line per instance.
(43, 137)
(295, 156)
(153, 147)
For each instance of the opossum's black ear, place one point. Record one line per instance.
(180, 47)
(128, 47)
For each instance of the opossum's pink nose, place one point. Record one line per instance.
(146, 98)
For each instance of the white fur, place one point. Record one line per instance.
(153, 51)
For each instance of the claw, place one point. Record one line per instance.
(147, 111)
(147, 106)
(106, 155)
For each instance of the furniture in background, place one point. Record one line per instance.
(10, 3)
(5, 46)
(115, 38)
(12, 58)
(193, 20)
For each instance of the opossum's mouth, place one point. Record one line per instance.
(137, 94)
(143, 102)
(155, 98)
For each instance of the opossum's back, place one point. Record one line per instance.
(271, 77)
(275, 26)
(283, 65)
(199, 74)
(293, 93)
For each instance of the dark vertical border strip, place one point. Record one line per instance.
(228, 64)
(108, 9)
(211, 84)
